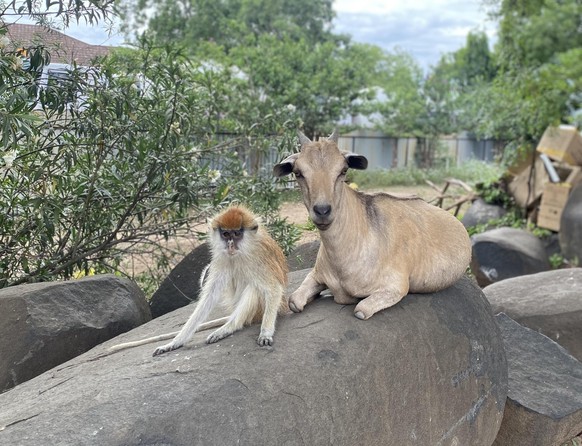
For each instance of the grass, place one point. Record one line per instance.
(471, 172)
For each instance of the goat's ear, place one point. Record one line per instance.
(356, 161)
(334, 136)
(302, 138)
(285, 167)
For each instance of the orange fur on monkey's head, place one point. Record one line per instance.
(235, 217)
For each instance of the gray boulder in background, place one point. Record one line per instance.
(544, 404)
(303, 256)
(182, 285)
(548, 302)
(502, 253)
(571, 227)
(429, 371)
(480, 213)
(43, 325)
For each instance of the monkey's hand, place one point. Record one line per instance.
(166, 348)
(219, 334)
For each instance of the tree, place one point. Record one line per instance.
(539, 79)
(227, 23)
(285, 50)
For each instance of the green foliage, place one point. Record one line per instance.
(539, 80)
(512, 219)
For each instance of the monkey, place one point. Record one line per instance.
(247, 274)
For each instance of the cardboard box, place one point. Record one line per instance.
(563, 143)
(553, 201)
(528, 186)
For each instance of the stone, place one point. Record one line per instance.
(45, 324)
(571, 227)
(429, 371)
(182, 286)
(549, 302)
(303, 256)
(544, 403)
(480, 213)
(502, 253)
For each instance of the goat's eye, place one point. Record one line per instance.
(344, 171)
(298, 174)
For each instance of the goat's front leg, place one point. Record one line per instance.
(305, 293)
(381, 299)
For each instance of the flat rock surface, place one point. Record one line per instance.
(544, 403)
(429, 371)
(549, 302)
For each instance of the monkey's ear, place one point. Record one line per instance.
(356, 161)
(285, 167)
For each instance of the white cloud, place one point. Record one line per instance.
(424, 28)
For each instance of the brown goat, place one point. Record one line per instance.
(376, 248)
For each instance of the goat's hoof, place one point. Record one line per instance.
(294, 308)
(360, 315)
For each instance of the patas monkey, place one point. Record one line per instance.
(247, 274)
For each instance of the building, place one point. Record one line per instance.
(62, 48)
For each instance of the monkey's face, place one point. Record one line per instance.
(232, 239)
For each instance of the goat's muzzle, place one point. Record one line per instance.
(322, 216)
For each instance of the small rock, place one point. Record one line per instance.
(480, 213)
(502, 253)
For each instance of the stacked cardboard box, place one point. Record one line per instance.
(564, 146)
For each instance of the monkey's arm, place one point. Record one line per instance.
(211, 294)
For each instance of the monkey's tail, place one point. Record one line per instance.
(163, 337)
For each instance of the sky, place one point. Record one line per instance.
(426, 29)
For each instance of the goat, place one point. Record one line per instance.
(375, 248)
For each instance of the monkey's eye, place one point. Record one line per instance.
(225, 234)
(237, 233)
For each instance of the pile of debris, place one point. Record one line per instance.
(544, 179)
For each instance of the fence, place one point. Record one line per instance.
(382, 152)
(386, 152)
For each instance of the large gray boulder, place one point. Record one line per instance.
(480, 213)
(544, 404)
(502, 253)
(429, 371)
(571, 226)
(548, 302)
(182, 285)
(43, 325)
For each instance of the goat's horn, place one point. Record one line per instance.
(334, 136)
(302, 138)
